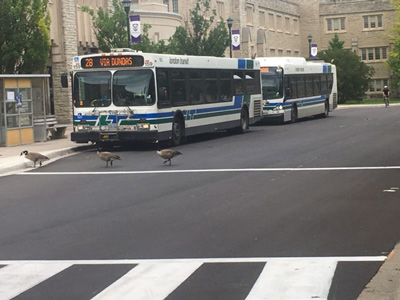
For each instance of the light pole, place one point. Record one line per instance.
(127, 7)
(309, 45)
(230, 22)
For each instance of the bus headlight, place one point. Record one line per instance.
(83, 127)
(279, 107)
(265, 103)
(104, 127)
(143, 126)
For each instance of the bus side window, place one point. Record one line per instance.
(178, 94)
(317, 85)
(288, 90)
(211, 87)
(225, 83)
(196, 87)
(293, 86)
(162, 89)
(238, 82)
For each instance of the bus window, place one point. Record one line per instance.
(251, 82)
(211, 87)
(309, 86)
(162, 89)
(238, 82)
(178, 94)
(330, 82)
(92, 89)
(134, 88)
(301, 87)
(272, 87)
(293, 86)
(317, 85)
(324, 84)
(195, 87)
(225, 86)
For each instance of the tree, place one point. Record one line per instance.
(24, 36)
(110, 28)
(199, 37)
(353, 75)
(394, 56)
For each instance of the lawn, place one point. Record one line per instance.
(372, 101)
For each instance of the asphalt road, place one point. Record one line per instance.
(319, 188)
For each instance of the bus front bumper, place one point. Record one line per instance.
(120, 136)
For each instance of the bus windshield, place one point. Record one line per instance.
(272, 87)
(92, 89)
(134, 88)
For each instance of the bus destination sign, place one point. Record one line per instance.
(114, 61)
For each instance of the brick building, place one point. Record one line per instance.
(267, 27)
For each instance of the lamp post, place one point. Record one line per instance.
(230, 22)
(309, 45)
(127, 7)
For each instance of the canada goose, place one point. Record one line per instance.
(35, 157)
(108, 157)
(168, 154)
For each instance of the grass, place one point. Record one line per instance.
(372, 101)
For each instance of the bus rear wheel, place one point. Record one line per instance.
(244, 121)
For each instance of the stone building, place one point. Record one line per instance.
(267, 28)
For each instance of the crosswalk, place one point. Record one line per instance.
(212, 278)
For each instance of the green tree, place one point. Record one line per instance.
(110, 28)
(24, 36)
(394, 55)
(199, 37)
(353, 75)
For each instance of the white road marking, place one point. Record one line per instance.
(17, 278)
(216, 170)
(196, 260)
(287, 280)
(150, 281)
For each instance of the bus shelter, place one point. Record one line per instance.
(23, 98)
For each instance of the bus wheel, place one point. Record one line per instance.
(244, 121)
(177, 133)
(293, 114)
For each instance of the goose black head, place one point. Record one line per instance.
(25, 152)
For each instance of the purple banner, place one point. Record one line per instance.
(314, 50)
(134, 22)
(235, 39)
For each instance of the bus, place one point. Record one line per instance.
(294, 88)
(134, 96)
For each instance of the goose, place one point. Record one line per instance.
(35, 157)
(168, 154)
(108, 157)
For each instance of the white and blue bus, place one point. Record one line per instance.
(294, 88)
(134, 96)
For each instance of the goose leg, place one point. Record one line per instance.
(111, 162)
(169, 161)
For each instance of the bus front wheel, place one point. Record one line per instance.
(293, 114)
(177, 133)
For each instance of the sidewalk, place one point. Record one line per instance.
(384, 286)
(11, 160)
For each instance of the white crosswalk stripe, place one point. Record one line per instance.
(281, 278)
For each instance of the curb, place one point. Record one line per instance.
(54, 154)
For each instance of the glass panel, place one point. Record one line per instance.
(26, 93)
(196, 86)
(377, 53)
(342, 24)
(370, 54)
(365, 22)
(134, 88)
(384, 53)
(11, 108)
(92, 89)
(178, 88)
(12, 121)
(380, 24)
(25, 120)
(26, 107)
(373, 22)
(162, 89)
(329, 24)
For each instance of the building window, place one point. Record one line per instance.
(220, 9)
(262, 19)
(336, 24)
(249, 14)
(271, 21)
(373, 22)
(287, 25)
(295, 26)
(175, 6)
(279, 23)
(372, 54)
(376, 85)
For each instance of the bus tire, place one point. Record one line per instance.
(293, 114)
(244, 121)
(178, 132)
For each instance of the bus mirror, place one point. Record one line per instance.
(288, 93)
(64, 80)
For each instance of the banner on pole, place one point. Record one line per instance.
(135, 28)
(235, 39)
(314, 50)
